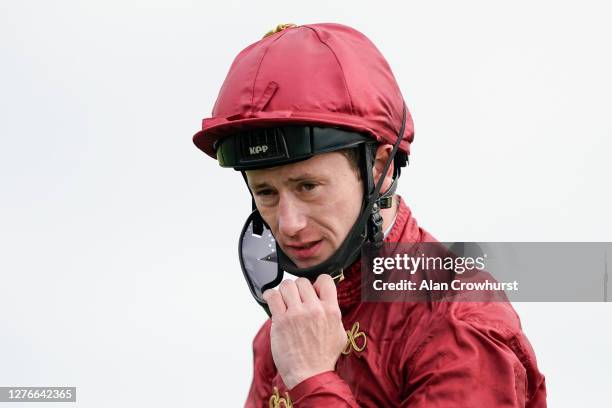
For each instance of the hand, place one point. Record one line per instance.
(307, 335)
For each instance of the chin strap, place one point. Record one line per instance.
(386, 199)
(375, 222)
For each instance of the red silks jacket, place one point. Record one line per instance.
(417, 354)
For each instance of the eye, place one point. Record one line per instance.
(308, 186)
(264, 193)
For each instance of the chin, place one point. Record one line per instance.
(308, 263)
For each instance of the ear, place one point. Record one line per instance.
(382, 155)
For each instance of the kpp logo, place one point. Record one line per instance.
(258, 149)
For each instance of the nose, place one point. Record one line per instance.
(291, 216)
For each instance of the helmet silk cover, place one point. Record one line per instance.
(316, 74)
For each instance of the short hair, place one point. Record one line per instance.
(353, 155)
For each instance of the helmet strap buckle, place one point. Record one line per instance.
(375, 226)
(385, 202)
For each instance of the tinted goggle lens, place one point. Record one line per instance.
(258, 258)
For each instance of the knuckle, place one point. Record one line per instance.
(324, 278)
(286, 284)
(271, 294)
(302, 281)
(268, 295)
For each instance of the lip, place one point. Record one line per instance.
(301, 253)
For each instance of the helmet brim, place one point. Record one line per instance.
(216, 128)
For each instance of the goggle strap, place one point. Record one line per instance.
(258, 226)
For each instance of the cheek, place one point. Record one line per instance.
(351, 213)
(346, 209)
(352, 198)
(269, 216)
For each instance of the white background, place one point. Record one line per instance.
(118, 237)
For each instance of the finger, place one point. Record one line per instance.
(290, 293)
(326, 288)
(275, 302)
(307, 292)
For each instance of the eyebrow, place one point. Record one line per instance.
(301, 177)
(260, 185)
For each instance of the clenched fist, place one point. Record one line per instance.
(307, 334)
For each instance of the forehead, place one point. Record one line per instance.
(321, 165)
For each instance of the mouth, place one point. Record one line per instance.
(304, 251)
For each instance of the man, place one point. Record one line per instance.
(313, 118)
